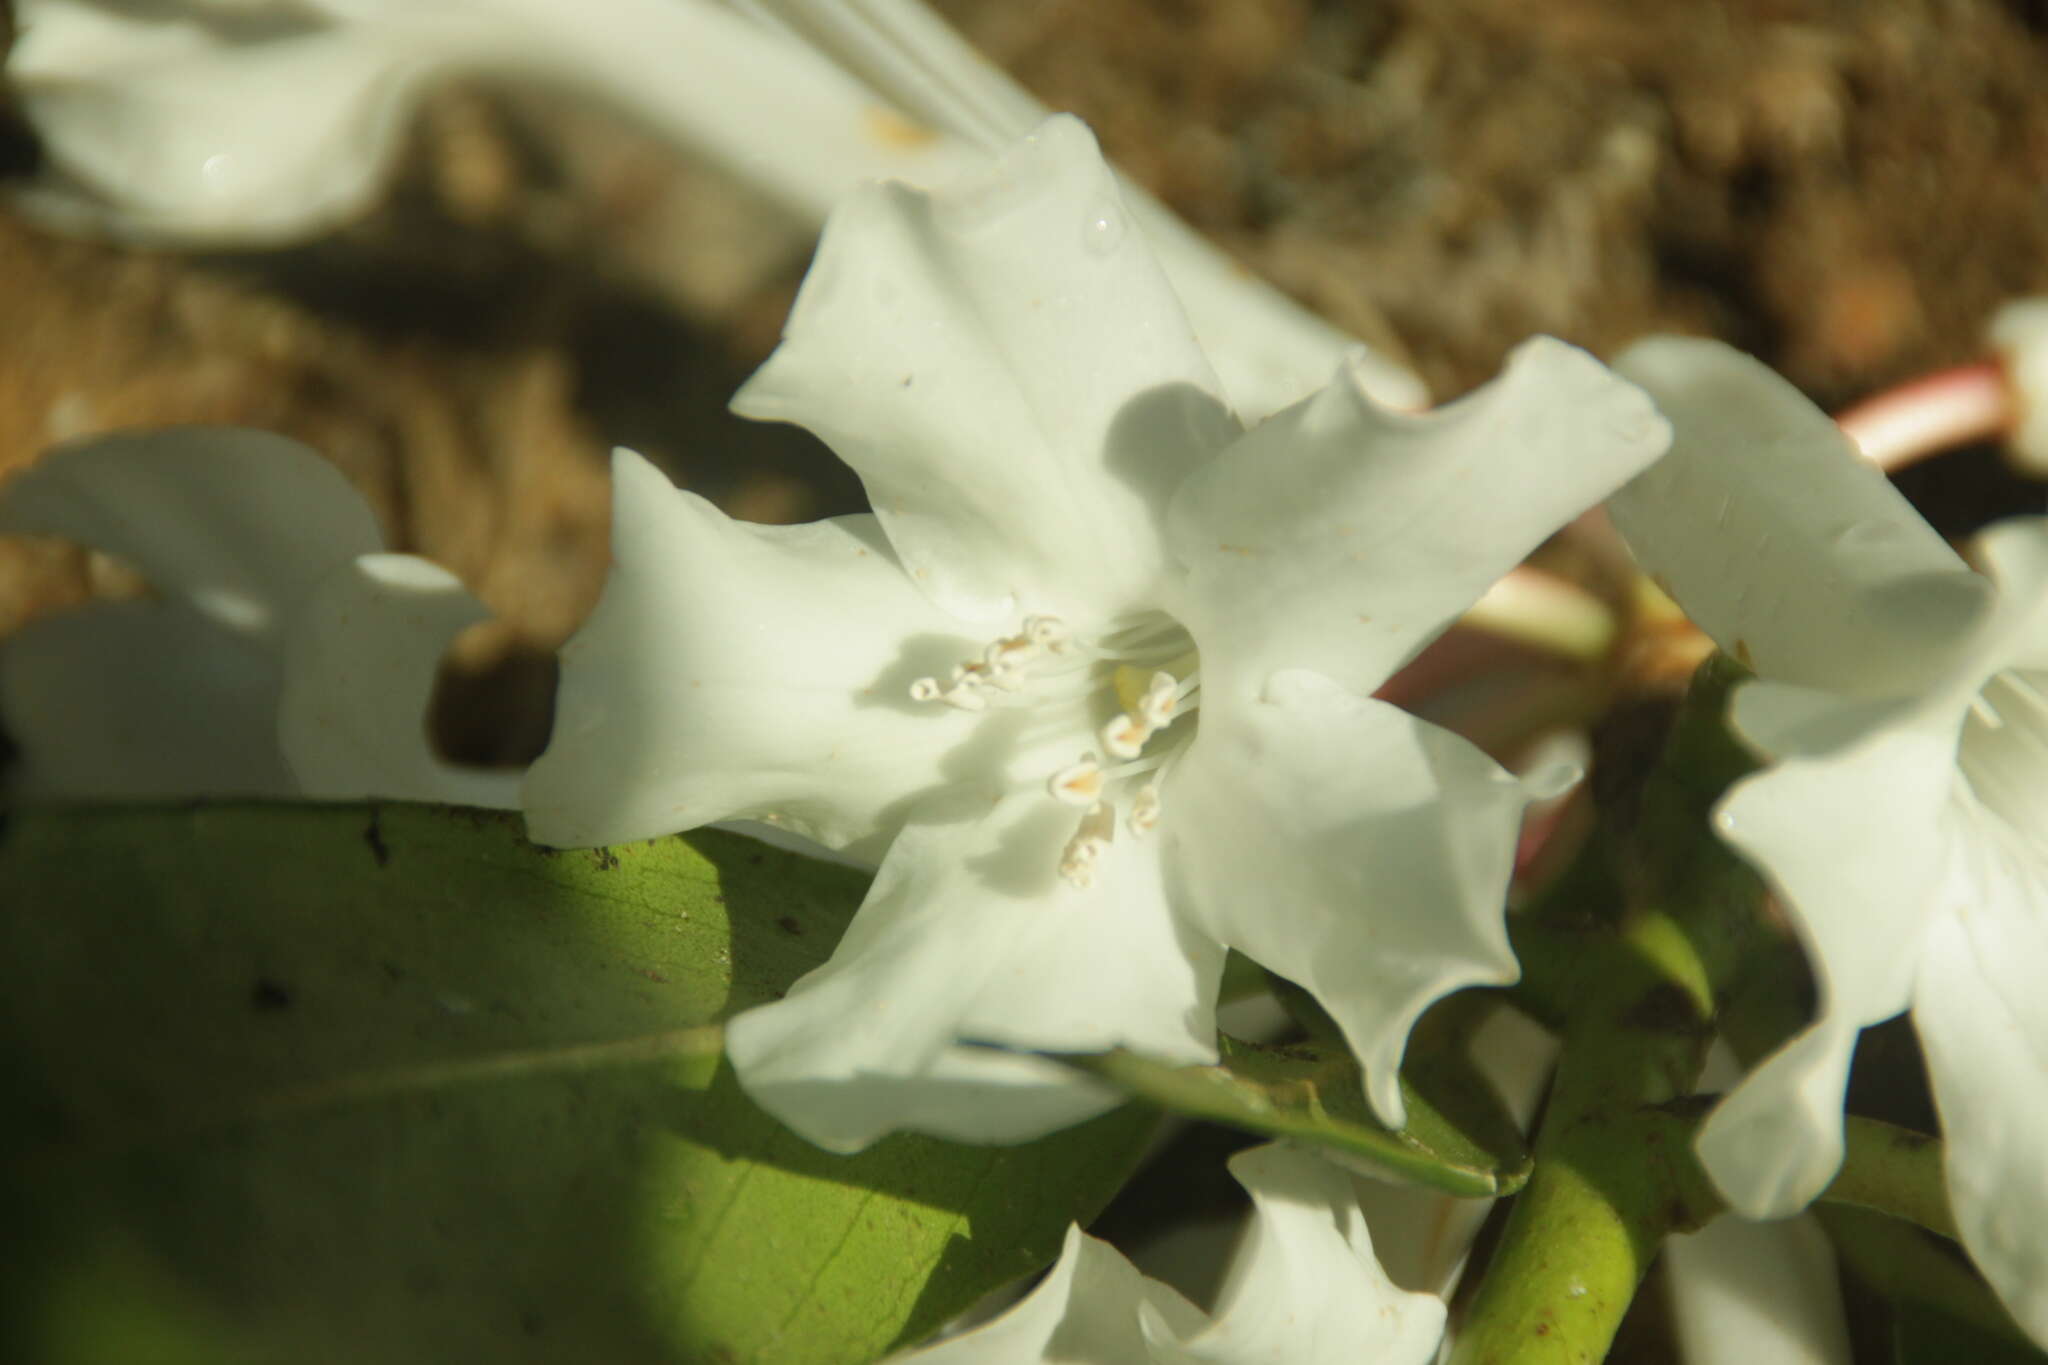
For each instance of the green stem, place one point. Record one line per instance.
(1606, 1190)
(1896, 1171)
(1901, 1264)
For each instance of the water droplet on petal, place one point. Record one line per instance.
(1102, 230)
(1869, 535)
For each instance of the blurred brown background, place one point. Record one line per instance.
(1846, 189)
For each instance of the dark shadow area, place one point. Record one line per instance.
(646, 377)
(1963, 491)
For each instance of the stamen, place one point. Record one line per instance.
(964, 691)
(1079, 785)
(1049, 633)
(1085, 849)
(1144, 814)
(1011, 652)
(1155, 708)
(2020, 683)
(1125, 736)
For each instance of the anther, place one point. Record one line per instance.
(1048, 633)
(1085, 849)
(1144, 816)
(1012, 651)
(964, 692)
(1125, 736)
(1079, 785)
(1156, 707)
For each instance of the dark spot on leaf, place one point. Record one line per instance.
(789, 925)
(652, 975)
(1687, 1106)
(1542, 1329)
(607, 861)
(374, 837)
(268, 996)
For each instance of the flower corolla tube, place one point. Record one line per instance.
(1903, 822)
(266, 120)
(1093, 683)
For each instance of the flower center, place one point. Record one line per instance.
(1125, 690)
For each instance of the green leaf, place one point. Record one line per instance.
(349, 1083)
(1459, 1138)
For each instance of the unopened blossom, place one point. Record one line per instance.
(267, 120)
(1093, 682)
(282, 654)
(1303, 1289)
(1904, 820)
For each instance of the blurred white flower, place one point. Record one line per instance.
(1904, 823)
(1303, 1289)
(2019, 333)
(265, 120)
(1096, 675)
(282, 655)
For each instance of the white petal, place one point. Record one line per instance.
(360, 662)
(1269, 350)
(1351, 848)
(1342, 538)
(969, 934)
(246, 127)
(1983, 1020)
(1423, 1236)
(739, 670)
(1747, 1293)
(1778, 539)
(1085, 1312)
(276, 123)
(1305, 1289)
(1007, 370)
(2015, 554)
(141, 700)
(238, 524)
(1855, 840)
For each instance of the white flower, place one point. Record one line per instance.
(2019, 333)
(1304, 1289)
(264, 120)
(996, 678)
(1746, 1293)
(284, 654)
(1905, 821)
